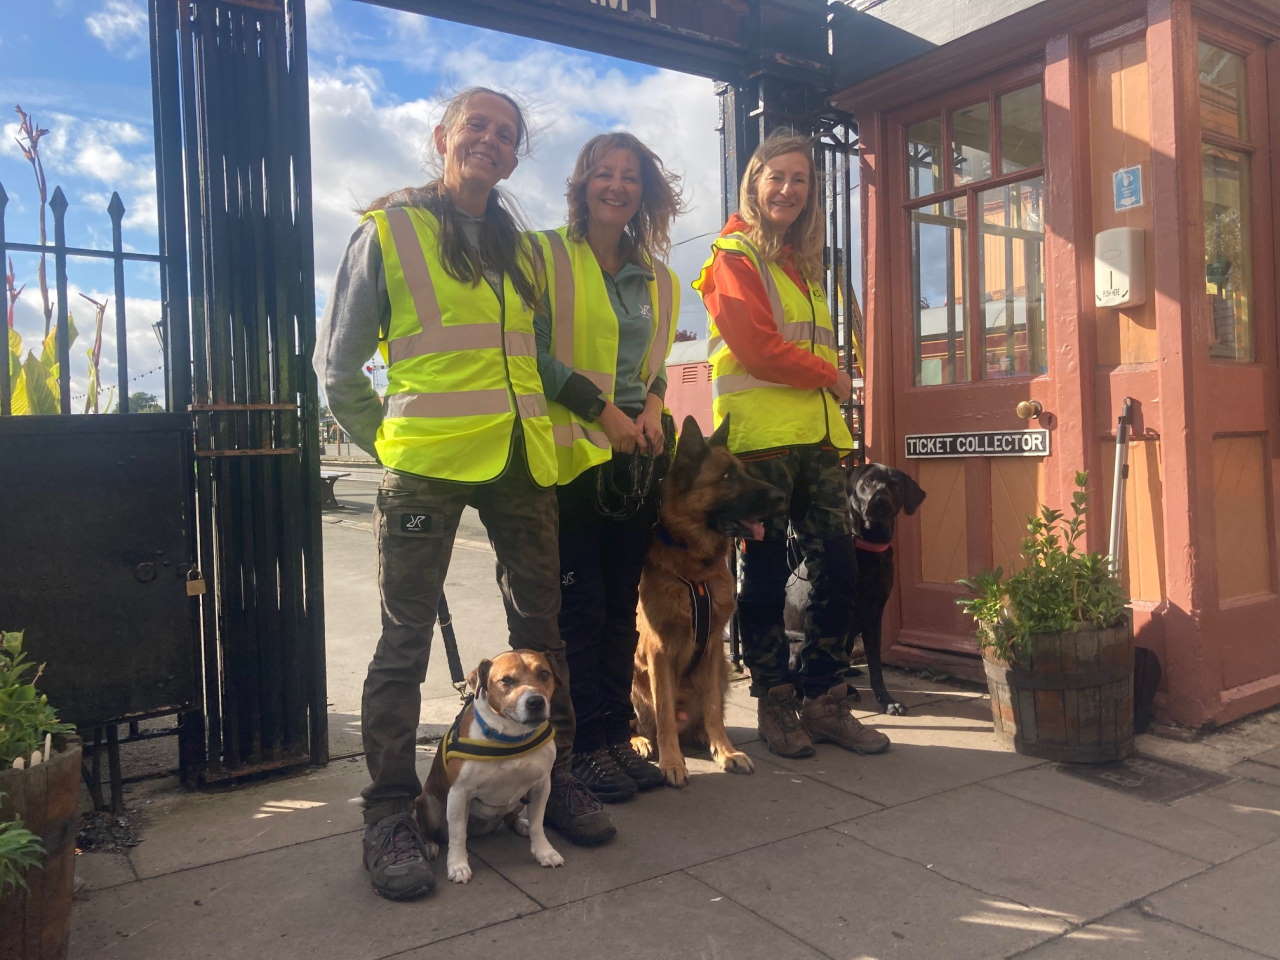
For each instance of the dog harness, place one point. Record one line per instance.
(494, 745)
(699, 603)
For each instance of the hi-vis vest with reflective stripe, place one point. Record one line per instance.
(584, 336)
(460, 365)
(769, 415)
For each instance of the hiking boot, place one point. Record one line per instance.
(396, 857)
(828, 720)
(600, 773)
(646, 775)
(579, 817)
(779, 722)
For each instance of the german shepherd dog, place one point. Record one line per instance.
(679, 685)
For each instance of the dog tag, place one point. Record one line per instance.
(195, 583)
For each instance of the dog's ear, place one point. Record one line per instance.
(721, 437)
(478, 680)
(690, 452)
(910, 495)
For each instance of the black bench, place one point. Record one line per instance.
(327, 497)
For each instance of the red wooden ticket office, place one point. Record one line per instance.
(991, 163)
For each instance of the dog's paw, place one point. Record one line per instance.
(895, 709)
(520, 826)
(431, 849)
(735, 761)
(643, 746)
(676, 774)
(460, 872)
(548, 856)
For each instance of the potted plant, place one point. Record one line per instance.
(39, 803)
(1057, 644)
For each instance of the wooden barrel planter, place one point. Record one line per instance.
(1069, 699)
(35, 923)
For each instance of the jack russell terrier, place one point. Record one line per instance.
(494, 763)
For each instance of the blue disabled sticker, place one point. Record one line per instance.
(1128, 187)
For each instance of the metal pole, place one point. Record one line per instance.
(1115, 545)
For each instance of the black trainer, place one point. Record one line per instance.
(576, 814)
(600, 774)
(396, 857)
(644, 774)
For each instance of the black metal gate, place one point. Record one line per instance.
(235, 182)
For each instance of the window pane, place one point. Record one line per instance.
(924, 157)
(1012, 272)
(971, 143)
(1021, 129)
(1222, 91)
(938, 265)
(1227, 259)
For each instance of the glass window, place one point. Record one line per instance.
(924, 157)
(938, 259)
(1222, 91)
(1011, 272)
(1021, 129)
(971, 143)
(1227, 259)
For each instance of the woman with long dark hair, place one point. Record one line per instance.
(602, 347)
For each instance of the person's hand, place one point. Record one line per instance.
(843, 387)
(624, 433)
(650, 423)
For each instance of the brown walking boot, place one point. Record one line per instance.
(828, 720)
(779, 722)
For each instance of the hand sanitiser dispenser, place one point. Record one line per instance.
(1120, 267)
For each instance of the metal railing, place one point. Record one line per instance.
(61, 252)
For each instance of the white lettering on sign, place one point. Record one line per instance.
(624, 6)
(982, 443)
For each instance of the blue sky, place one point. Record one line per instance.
(378, 79)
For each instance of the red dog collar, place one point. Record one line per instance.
(870, 547)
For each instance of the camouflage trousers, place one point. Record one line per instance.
(817, 517)
(416, 521)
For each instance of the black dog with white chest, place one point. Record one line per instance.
(877, 494)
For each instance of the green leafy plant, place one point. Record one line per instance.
(1060, 589)
(25, 713)
(20, 849)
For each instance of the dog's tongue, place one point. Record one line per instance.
(756, 527)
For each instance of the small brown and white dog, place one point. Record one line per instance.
(494, 763)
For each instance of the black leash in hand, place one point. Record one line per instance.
(620, 497)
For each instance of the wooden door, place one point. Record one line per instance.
(969, 344)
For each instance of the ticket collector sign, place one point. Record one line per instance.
(981, 443)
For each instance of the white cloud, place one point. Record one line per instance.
(364, 143)
(121, 25)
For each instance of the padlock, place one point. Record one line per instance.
(195, 583)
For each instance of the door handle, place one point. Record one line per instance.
(1029, 410)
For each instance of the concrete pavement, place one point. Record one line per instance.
(945, 847)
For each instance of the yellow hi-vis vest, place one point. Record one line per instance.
(461, 366)
(584, 337)
(769, 415)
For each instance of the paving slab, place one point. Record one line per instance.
(1270, 757)
(191, 829)
(667, 829)
(936, 747)
(309, 900)
(1253, 770)
(851, 900)
(1129, 935)
(1236, 901)
(97, 870)
(1165, 826)
(669, 918)
(1011, 848)
(1244, 808)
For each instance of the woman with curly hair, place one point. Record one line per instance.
(603, 340)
